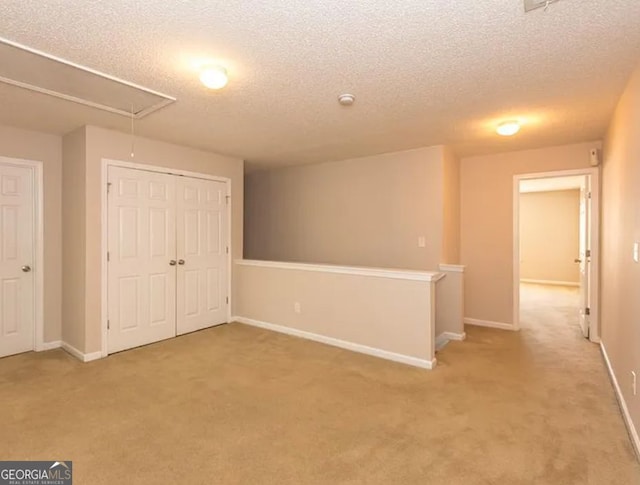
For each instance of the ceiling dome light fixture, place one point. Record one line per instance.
(346, 99)
(214, 77)
(508, 128)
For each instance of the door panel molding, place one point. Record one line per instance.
(202, 223)
(37, 268)
(106, 163)
(141, 283)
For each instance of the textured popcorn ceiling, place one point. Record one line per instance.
(424, 72)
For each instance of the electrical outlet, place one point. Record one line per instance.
(422, 242)
(296, 307)
(633, 382)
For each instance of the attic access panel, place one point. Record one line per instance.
(38, 71)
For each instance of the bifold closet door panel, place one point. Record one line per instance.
(202, 228)
(142, 257)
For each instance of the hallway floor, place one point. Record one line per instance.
(237, 405)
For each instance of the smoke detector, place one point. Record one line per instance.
(346, 99)
(530, 5)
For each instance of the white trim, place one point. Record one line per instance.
(140, 114)
(550, 282)
(56, 344)
(399, 274)
(557, 173)
(106, 163)
(104, 272)
(490, 324)
(452, 268)
(594, 224)
(343, 344)
(445, 337)
(633, 433)
(38, 244)
(162, 169)
(70, 349)
(454, 336)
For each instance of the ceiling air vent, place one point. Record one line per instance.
(530, 5)
(38, 71)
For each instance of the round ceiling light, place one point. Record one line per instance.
(214, 77)
(346, 99)
(508, 128)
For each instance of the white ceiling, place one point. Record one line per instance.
(424, 72)
(551, 184)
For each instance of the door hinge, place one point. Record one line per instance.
(227, 300)
(108, 257)
(227, 197)
(108, 325)
(588, 195)
(227, 249)
(108, 187)
(587, 311)
(588, 253)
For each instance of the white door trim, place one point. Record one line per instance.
(106, 163)
(594, 228)
(38, 247)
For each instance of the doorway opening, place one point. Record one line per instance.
(556, 251)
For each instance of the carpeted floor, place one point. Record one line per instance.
(240, 405)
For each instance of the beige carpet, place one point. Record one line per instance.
(239, 405)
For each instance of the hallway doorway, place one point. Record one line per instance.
(555, 249)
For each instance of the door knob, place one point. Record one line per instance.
(181, 261)
(26, 268)
(172, 262)
(577, 260)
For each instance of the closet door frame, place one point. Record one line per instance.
(106, 163)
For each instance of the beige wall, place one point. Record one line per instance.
(367, 211)
(450, 301)
(487, 222)
(451, 208)
(550, 236)
(102, 143)
(74, 241)
(620, 305)
(393, 315)
(29, 145)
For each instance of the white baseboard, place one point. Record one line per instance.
(80, 355)
(633, 433)
(490, 324)
(454, 336)
(550, 282)
(444, 338)
(363, 349)
(56, 344)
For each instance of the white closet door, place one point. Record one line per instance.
(142, 251)
(17, 233)
(202, 251)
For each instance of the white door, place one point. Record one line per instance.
(202, 252)
(584, 257)
(17, 232)
(142, 252)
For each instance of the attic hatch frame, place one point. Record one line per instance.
(166, 99)
(530, 5)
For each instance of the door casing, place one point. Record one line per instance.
(38, 248)
(594, 231)
(106, 163)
